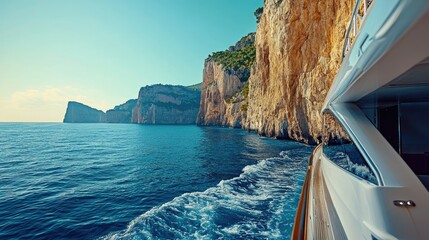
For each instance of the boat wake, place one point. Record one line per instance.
(260, 203)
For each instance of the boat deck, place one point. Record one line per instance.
(320, 219)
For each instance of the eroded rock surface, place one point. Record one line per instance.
(298, 53)
(121, 113)
(166, 104)
(225, 80)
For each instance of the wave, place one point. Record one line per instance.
(347, 157)
(260, 203)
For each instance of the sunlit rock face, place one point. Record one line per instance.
(166, 104)
(298, 53)
(80, 113)
(219, 105)
(223, 101)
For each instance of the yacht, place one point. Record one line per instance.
(372, 183)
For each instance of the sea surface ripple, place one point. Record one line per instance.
(119, 181)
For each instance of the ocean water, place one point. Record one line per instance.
(123, 181)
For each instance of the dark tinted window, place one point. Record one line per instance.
(405, 125)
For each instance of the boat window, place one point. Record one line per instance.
(400, 112)
(414, 136)
(405, 125)
(343, 152)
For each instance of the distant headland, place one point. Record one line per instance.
(156, 104)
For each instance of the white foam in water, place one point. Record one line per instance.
(361, 170)
(259, 204)
(358, 169)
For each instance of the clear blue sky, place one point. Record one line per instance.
(101, 52)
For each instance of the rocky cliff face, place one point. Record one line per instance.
(298, 52)
(80, 113)
(157, 104)
(223, 94)
(121, 113)
(166, 104)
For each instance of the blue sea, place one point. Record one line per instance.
(126, 181)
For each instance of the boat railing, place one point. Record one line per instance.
(358, 16)
(299, 227)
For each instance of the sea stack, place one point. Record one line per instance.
(80, 113)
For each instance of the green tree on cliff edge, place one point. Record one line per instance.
(258, 13)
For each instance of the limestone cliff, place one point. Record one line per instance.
(157, 104)
(223, 93)
(80, 113)
(298, 52)
(121, 113)
(166, 104)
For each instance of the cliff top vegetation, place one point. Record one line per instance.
(240, 56)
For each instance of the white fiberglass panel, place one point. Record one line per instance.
(366, 210)
(398, 182)
(371, 62)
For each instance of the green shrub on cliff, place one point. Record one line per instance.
(258, 13)
(235, 60)
(230, 100)
(244, 107)
(245, 89)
